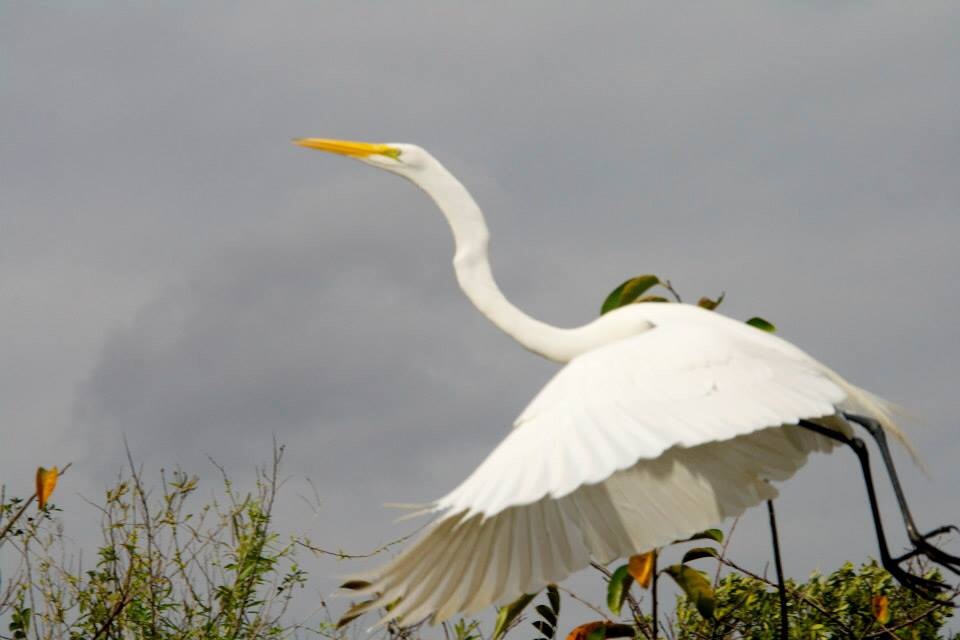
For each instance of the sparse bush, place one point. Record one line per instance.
(168, 566)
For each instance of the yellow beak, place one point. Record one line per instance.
(349, 148)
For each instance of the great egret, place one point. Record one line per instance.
(666, 419)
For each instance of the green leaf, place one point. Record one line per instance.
(697, 587)
(618, 588)
(762, 324)
(554, 596)
(707, 534)
(506, 615)
(699, 552)
(628, 291)
(597, 633)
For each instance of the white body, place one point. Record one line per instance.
(666, 419)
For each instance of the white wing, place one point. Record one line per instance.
(628, 447)
(677, 385)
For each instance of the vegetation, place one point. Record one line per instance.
(171, 565)
(166, 567)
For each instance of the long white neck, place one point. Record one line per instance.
(472, 266)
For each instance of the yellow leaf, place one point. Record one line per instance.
(641, 568)
(881, 608)
(46, 481)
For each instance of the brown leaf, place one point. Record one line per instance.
(710, 304)
(641, 568)
(46, 482)
(355, 585)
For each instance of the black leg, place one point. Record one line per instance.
(781, 586)
(920, 542)
(923, 587)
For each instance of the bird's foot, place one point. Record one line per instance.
(922, 546)
(926, 588)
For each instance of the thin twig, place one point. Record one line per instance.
(151, 538)
(353, 556)
(121, 603)
(669, 287)
(589, 605)
(723, 550)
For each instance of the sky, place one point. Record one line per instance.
(174, 272)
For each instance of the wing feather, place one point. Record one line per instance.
(464, 563)
(628, 447)
(633, 403)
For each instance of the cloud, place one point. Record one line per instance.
(176, 272)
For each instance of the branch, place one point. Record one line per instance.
(121, 603)
(589, 605)
(355, 556)
(886, 631)
(793, 592)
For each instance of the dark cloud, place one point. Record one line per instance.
(176, 272)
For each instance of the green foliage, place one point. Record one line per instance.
(762, 324)
(631, 291)
(699, 552)
(618, 588)
(707, 534)
(507, 615)
(464, 630)
(19, 622)
(834, 606)
(166, 568)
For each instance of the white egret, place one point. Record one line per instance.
(665, 420)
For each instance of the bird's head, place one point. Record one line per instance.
(404, 159)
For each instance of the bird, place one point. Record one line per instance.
(664, 420)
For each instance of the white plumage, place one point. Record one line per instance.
(666, 419)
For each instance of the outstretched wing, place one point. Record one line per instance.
(678, 385)
(627, 448)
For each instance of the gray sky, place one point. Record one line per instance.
(174, 271)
